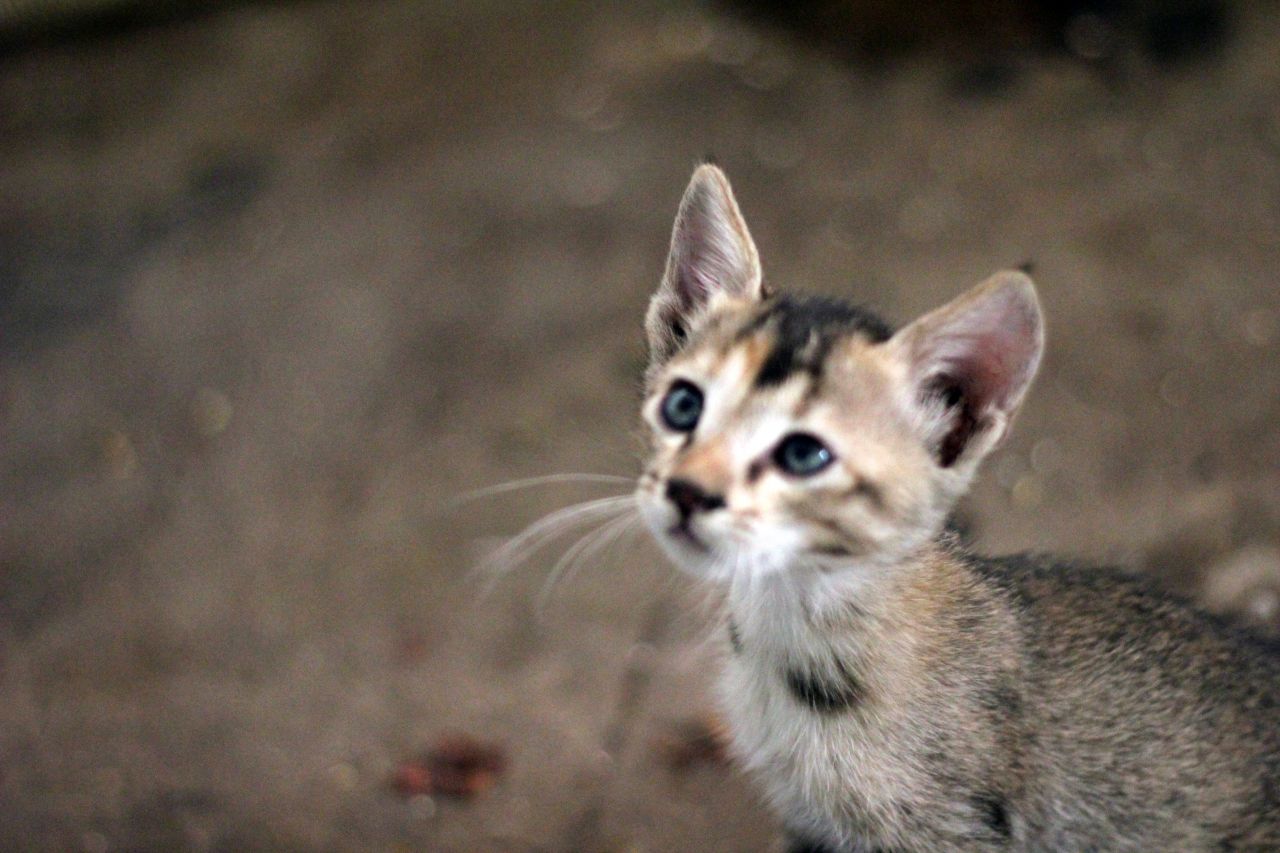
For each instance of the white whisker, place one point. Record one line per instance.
(583, 549)
(522, 546)
(618, 529)
(531, 482)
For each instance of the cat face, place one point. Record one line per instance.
(782, 432)
(791, 432)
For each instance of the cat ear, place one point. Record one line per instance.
(712, 255)
(971, 362)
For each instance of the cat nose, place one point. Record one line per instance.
(689, 497)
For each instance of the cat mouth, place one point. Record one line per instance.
(682, 533)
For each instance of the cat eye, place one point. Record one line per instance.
(801, 455)
(682, 406)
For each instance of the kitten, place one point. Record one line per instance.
(890, 690)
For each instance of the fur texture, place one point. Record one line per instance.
(890, 690)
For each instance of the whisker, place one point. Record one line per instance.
(618, 529)
(541, 532)
(531, 482)
(571, 555)
(579, 551)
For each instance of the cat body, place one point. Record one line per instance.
(972, 704)
(890, 690)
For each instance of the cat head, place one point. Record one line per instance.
(793, 431)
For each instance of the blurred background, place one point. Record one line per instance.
(280, 281)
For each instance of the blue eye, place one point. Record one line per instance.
(800, 454)
(682, 406)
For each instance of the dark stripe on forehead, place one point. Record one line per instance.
(804, 329)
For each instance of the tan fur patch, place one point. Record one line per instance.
(709, 464)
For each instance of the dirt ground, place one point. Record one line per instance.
(280, 282)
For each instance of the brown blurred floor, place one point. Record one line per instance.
(277, 283)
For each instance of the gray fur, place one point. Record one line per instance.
(1071, 709)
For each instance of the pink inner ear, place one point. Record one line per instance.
(708, 260)
(979, 362)
(987, 345)
(993, 366)
(700, 267)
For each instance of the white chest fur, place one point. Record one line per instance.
(837, 771)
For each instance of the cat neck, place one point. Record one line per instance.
(854, 612)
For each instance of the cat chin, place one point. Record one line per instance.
(700, 565)
(701, 551)
(693, 557)
(713, 564)
(713, 567)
